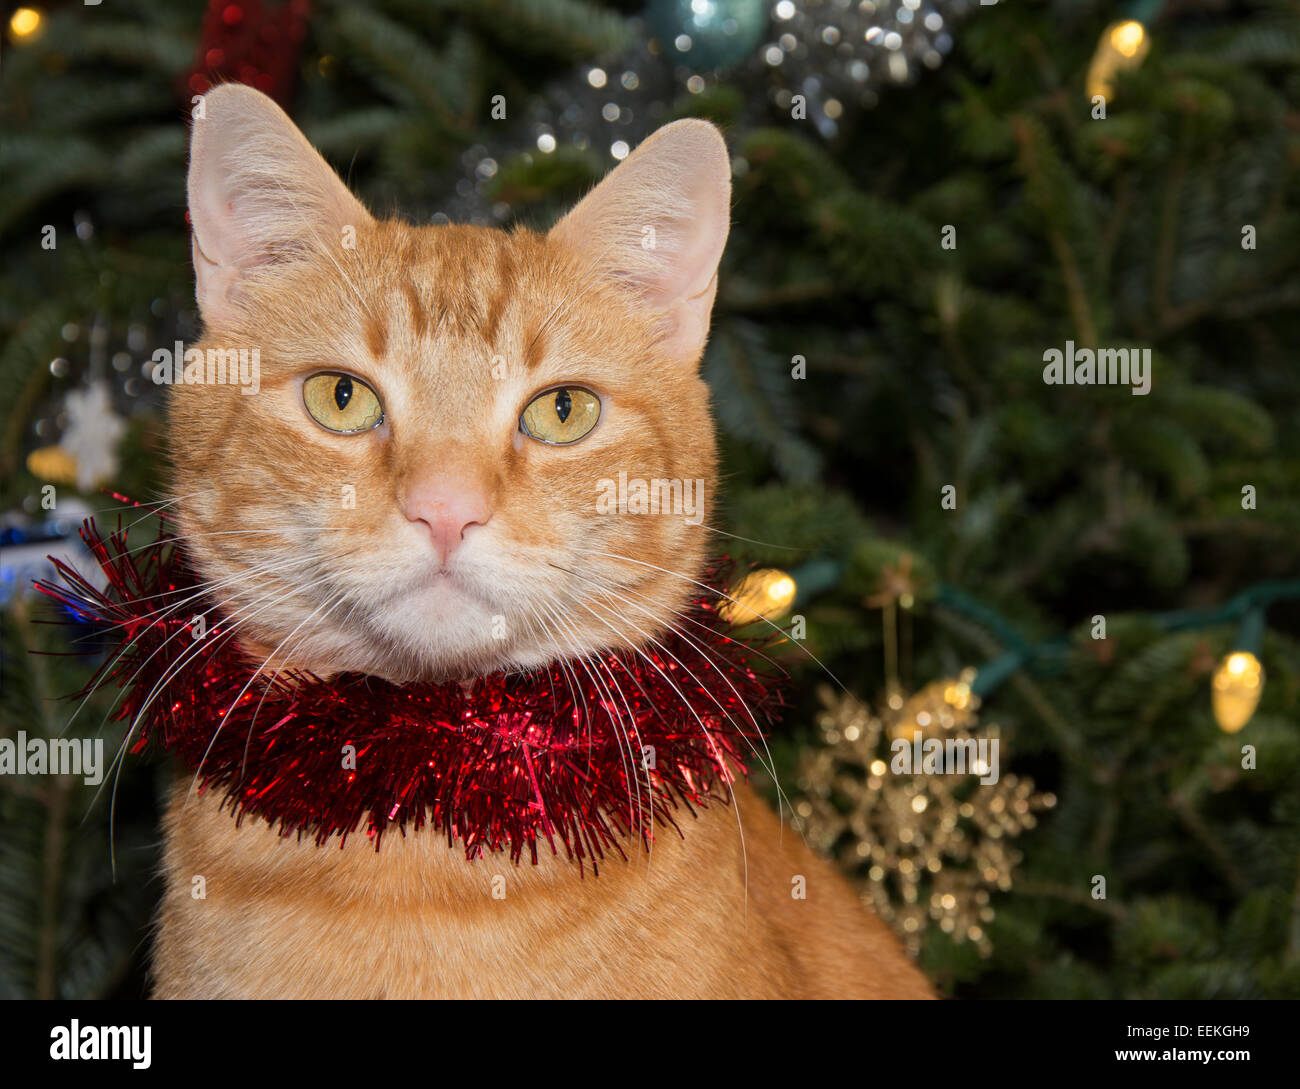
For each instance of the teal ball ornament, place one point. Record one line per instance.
(708, 34)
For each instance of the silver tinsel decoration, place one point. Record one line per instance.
(819, 60)
(837, 53)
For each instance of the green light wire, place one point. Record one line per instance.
(1248, 608)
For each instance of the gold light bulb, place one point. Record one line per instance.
(24, 23)
(763, 594)
(1235, 690)
(1122, 47)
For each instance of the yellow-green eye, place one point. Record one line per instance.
(342, 403)
(560, 416)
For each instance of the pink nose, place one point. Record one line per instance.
(447, 508)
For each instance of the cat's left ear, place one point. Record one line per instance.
(658, 223)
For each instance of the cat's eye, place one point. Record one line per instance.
(342, 403)
(560, 416)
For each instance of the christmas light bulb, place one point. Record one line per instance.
(24, 23)
(1236, 687)
(1127, 37)
(1122, 47)
(763, 594)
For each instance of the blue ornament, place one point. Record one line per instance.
(707, 34)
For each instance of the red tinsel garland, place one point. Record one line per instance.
(247, 41)
(559, 754)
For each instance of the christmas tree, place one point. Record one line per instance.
(1002, 364)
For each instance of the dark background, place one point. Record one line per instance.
(923, 369)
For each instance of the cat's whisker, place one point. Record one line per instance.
(601, 663)
(564, 667)
(273, 568)
(625, 753)
(143, 504)
(314, 530)
(550, 636)
(156, 511)
(641, 688)
(200, 589)
(337, 601)
(707, 655)
(738, 537)
(765, 758)
(106, 672)
(608, 589)
(632, 676)
(718, 757)
(287, 655)
(690, 673)
(561, 634)
(295, 589)
(718, 593)
(717, 752)
(266, 567)
(676, 613)
(211, 646)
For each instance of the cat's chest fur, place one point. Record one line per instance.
(703, 916)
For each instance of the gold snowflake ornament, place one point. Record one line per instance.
(912, 804)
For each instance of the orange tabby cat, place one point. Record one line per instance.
(395, 517)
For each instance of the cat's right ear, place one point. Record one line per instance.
(259, 195)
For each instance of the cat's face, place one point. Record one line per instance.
(426, 483)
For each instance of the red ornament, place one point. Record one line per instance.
(560, 755)
(246, 41)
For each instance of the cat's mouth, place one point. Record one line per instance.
(444, 580)
(444, 589)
